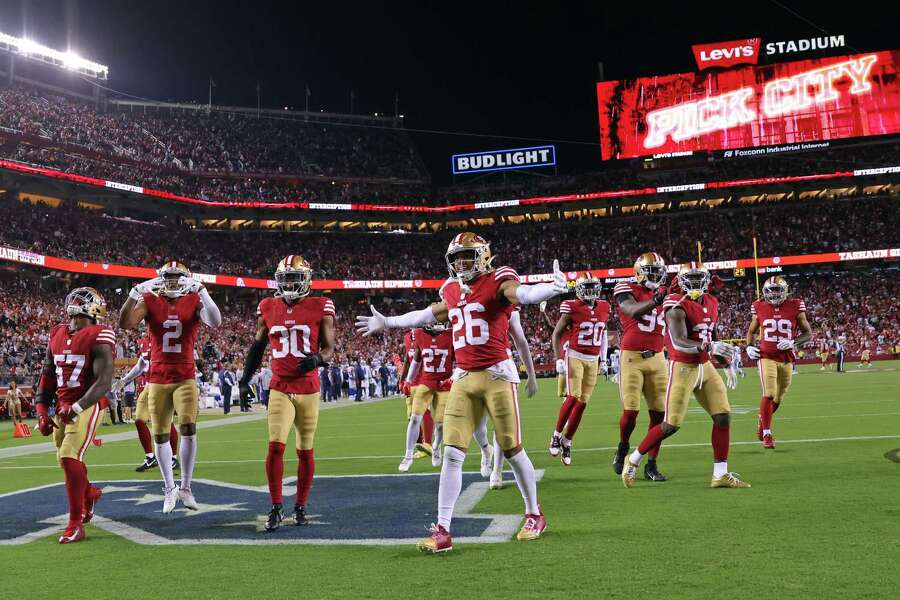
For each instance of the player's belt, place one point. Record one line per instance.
(648, 353)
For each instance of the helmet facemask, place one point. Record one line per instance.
(436, 328)
(654, 275)
(466, 264)
(173, 276)
(588, 290)
(775, 292)
(85, 302)
(294, 283)
(694, 282)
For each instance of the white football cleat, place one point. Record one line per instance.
(405, 465)
(487, 460)
(187, 498)
(496, 480)
(436, 456)
(170, 500)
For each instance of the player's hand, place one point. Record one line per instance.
(752, 352)
(785, 344)
(446, 384)
(146, 287)
(191, 285)
(531, 387)
(559, 279)
(730, 378)
(722, 350)
(311, 362)
(404, 389)
(65, 413)
(45, 423)
(370, 325)
(604, 368)
(560, 366)
(614, 378)
(543, 306)
(659, 294)
(244, 391)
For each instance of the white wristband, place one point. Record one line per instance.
(135, 294)
(76, 408)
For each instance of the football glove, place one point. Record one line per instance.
(311, 362)
(190, 285)
(446, 384)
(244, 390)
(45, 423)
(785, 344)
(370, 325)
(404, 389)
(543, 306)
(659, 294)
(604, 368)
(722, 350)
(560, 283)
(730, 378)
(752, 352)
(145, 287)
(560, 366)
(65, 413)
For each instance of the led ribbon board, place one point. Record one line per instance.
(789, 103)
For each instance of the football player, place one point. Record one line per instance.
(173, 306)
(583, 322)
(477, 300)
(560, 375)
(426, 431)
(691, 316)
(428, 379)
(78, 368)
(642, 365)
(142, 411)
(782, 325)
(300, 329)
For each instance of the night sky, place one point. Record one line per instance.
(503, 68)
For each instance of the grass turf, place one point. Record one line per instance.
(821, 519)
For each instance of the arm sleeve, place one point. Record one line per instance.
(535, 294)
(139, 367)
(209, 312)
(413, 371)
(604, 345)
(415, 318)
(253, 360)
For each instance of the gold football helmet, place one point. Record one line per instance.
(293, 277)
(468, 256)
(588, 288)
(172, 273)
(775, 290)
(650, 270)
(693, 278)
(85, 302)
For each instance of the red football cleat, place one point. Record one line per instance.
(768, 442)
(759, 428)
(74, 533)
(90, 500)
(533, 528)
(438, 541)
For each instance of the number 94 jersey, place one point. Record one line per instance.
(294, 334)
(173, 324)
(777, 322)
(645, 332)
(585, 330)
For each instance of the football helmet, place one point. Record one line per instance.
(693, 278)
(468, 256)
(775, 290)
(588, 288)
(436, 328)
(173, 285)
(650, 270)
(85, 302)
(293, 277)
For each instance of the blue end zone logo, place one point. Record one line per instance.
(368, 510)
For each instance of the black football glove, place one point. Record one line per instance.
(244, 390)
(659, 294)
(313, 361)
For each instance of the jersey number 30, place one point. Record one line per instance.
(290, 340)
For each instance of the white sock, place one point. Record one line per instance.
(480, 433)
(525, 479)
(557, 433)
(438, 435)
(565, 441)
(187, 448)
(498, 455)
(450, 485)
(719, 469)
(412, 434)
(164, 458)
(767, 432)
(635, 457)
(149, 455)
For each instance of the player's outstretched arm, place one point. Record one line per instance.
(521, 343)
(516, 293)
(417, 318)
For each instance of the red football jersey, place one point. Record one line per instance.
(700, 317)
(480, 319)
(437, 357)
(777, 322)
(72, 357)
(144, 346)
(585, 330)
(646, 332)
(294, 334)
(172, 324)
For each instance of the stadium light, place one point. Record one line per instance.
(65, 60)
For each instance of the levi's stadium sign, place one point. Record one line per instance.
(747, 107)
(726, 54)
(504, 160)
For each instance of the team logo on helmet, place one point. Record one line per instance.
(775, 290)
(86, 302)
(693, 278)
(173, 274)
(588, 288)
(650, 270)
(293, 277)
(468, 256)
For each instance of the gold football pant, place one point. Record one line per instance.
(168, 398)
(581, 378)
(470, 397)
(561, 385)
(424, 398)
(638, 374)
(775, 378)
(73, 439)
(299, 410)
(700, 380)
(142, 410)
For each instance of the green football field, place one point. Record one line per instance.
(821, 520)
